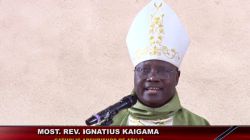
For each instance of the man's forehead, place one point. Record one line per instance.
(156, 63)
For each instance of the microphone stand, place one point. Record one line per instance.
(107, 122)
(105, 117)
(108, 118)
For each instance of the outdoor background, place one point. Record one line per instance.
(63, 60)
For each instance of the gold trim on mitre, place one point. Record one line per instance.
(156, 35)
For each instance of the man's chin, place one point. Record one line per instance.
(151, 103)
(154, 105)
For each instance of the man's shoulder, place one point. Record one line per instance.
(186, 117)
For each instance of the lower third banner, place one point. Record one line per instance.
(122, 133)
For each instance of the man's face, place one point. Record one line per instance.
(155, 82)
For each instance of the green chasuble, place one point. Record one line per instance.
(173, 110)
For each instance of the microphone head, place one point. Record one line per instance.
(92, 120)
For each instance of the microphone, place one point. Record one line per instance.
(108, 113)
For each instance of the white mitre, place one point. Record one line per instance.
(157, 34)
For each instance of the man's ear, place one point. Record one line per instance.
(177, 77)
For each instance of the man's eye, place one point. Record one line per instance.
(145, 70)
(161, 71)
(164, 71)
(167, 70)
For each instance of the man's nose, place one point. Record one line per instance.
(153, 76)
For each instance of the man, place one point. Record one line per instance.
(157, 42)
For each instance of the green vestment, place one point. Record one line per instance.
(181, 116)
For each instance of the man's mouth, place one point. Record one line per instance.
(153, 90)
